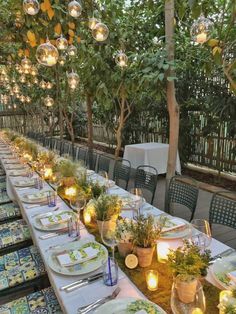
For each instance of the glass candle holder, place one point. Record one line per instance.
(152, 280)
(162, 252)
(52, 198)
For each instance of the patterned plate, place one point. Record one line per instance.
(35, 198)
(38, 225)
(79, 269)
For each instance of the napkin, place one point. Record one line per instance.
(141, 312)
(55, 219)
(173, 224)
(77, 256)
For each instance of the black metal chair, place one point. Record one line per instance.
(223, 209)
(91, 159)
(121, 172)
(103, 163)
(183, 191)
(82, 154)
(146, 179)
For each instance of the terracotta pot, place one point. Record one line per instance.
(125, 248)
(107, 225)
(144, 256)
(186, 290)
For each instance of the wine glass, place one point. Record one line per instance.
(201, 233)
(105, 177)
(137, 200)
(108, 235)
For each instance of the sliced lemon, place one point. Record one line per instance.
(131, 261)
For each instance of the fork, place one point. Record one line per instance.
(99, 302)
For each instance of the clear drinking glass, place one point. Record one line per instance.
(110, 272)
(108, 235)
(188, 298)
(78, 203)
(137, 200)
(201, 233)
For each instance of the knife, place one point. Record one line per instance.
(81, 282)
(222, 254)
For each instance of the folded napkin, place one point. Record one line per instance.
(24, 182)
(22, 172)
(77, 256)
(55, 219)
(173, 224)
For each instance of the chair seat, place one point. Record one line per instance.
(43, 301)
(19, 267)
(13, 232)
(9, 211)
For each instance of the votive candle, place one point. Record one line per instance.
(197, 310)
(152, 280)
(162, 251)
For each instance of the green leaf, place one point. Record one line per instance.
(161, 76)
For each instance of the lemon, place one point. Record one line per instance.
(131, 261)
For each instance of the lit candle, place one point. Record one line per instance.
(225, 295)
(122, 63)
(162, 251)
(47, 173)
(71, 192)
(73, 13)
(201, 38)
(31, 10)
(197, 310)
(152, 280)
(27, 157)
(99, 36)
(87, 217)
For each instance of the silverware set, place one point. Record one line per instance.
(221, 255)
(99, 302)
(81, 283)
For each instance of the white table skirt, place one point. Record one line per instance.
(80, 297)
(150, 154)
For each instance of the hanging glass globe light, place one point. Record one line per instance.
(26, 64)
(22, 79)
(34, 71)
(92, 22)
(16, 89)
(14, 106)
(17, 96)
(6, 79)
(74, 9)
(62, 60)
(11, 93)
(47, 54)
(31, 7)
(62, 43)
(18, 67)
(27, 99)
(100, 32)
(13, 80)
(73, 80)
(35, 81)
(22, 98)
(48, 101)
(49, 85)
(121, 59)
(43, 84)
(72, 50)
(29, 84)
(20, 70)
(201, 29)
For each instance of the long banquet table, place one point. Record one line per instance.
(70, 302)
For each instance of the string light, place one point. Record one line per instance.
(100, 32)
(47, 54)
(31, 7)
(74, 9)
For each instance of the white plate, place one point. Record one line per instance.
(178, 233)
(54, 227)
(221, 267)
(79, 269)
(25, 183)
(42, 197)
(119, 306)
(17, 173)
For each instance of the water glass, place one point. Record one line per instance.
(52, 198)
(110, 272)
(38, 182)
(73, 227)
(201, 233)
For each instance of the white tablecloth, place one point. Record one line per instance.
(150, 154)
(83, 296)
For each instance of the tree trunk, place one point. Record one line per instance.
(172, 105)
(89, 103)
(120, 125)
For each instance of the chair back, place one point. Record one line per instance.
(91, 159)
(184, 191)
(103, 163)
(146, 178)
(223, 209)
(121, 172)
(82, 154)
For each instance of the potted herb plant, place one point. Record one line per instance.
(107, 208)
(188, 264)
(124, 236)
(145, 234)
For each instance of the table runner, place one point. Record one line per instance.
(70, 302)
